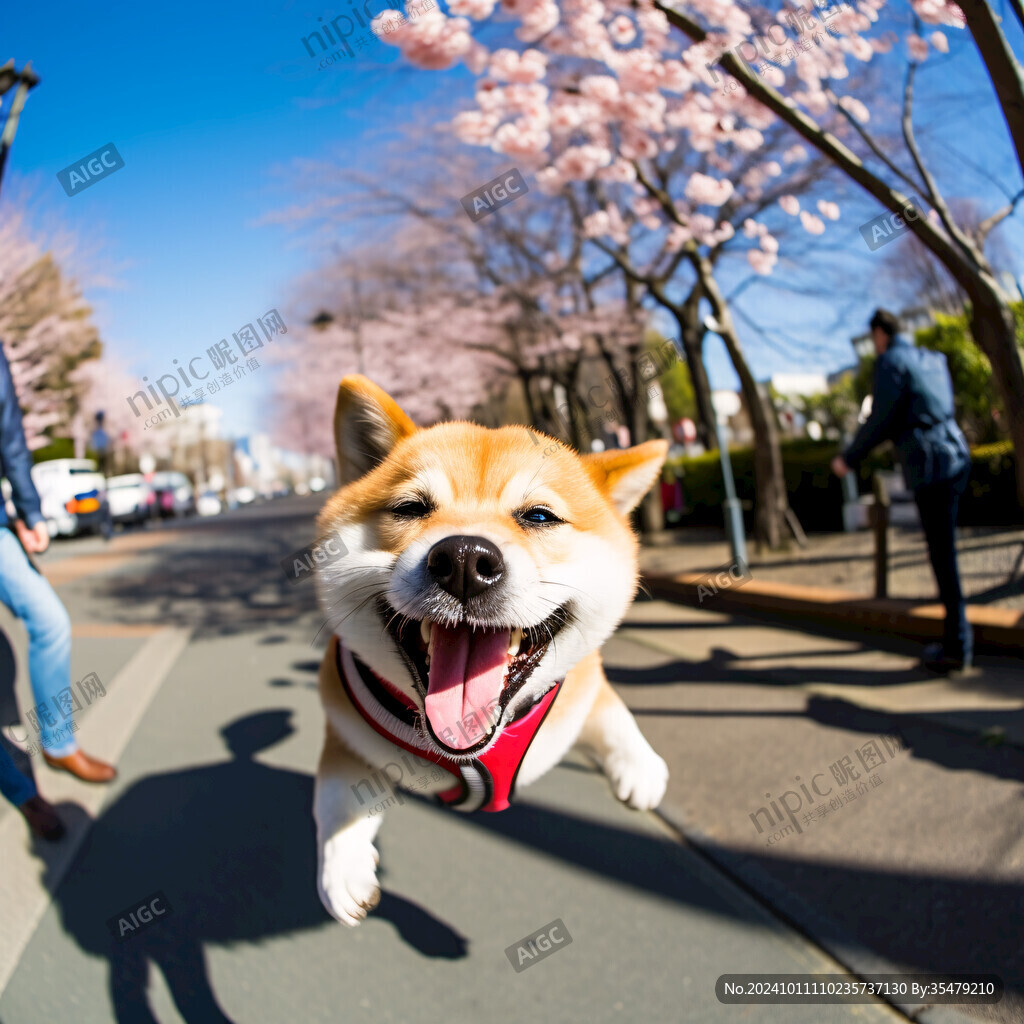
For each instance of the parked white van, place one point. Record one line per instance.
(73, 496)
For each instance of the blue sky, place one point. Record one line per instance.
(209, 105)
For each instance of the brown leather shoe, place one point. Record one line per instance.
(82, 766)
(42, 818)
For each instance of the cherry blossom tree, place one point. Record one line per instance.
(103, 384)
(593, 91)
(656, 232)
(416, 354)
(559, 318)
(45, 330)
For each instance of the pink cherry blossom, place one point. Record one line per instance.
(475, 127)
(939, 41)
(917, 47)
(622, 30)
(677, 237)
(606, 222)
(707, 191)
(790, 204)
(938, 12)
(510, 66)
(812, 225)
(475, 9)
(580, 163)
(521, 141)
(855, 108)
(828, 209)
(761, 261)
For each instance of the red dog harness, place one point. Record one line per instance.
(484, 784)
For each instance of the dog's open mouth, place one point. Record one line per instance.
(469, 674)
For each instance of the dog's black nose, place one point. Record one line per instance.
(465, 566)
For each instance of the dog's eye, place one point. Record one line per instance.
(538, 515)
(411, 510)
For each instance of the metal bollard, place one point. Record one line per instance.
(880, 519)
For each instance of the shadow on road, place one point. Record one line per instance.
(928, 741)
(232, 848)
(724, 665)
(221, 579)
(928, 922)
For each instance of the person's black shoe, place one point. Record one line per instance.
(42, 818)
(935, 659)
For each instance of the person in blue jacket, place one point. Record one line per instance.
(26, 592)
(913, 406)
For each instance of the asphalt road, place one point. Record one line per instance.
(211, 655)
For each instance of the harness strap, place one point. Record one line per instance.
(485, 783)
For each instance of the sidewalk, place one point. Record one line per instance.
(845, 561)
(923, 871)
(800, 586)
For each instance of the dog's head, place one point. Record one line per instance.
(481, 565)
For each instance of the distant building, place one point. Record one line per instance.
(799, 385)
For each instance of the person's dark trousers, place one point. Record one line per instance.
(938, 505)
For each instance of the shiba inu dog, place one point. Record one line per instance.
(483, 573)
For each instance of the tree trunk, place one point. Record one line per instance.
(652, 513)
(994, 330)
(691, 335)
(1003, 67)
(620, 392)
(772, 503)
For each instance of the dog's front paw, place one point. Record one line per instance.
(638, 776)
(347, 879)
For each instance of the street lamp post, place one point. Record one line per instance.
(26, 79)
(732, 511)
(864, 348)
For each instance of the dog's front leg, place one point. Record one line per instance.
(611, 736)
(347, 858)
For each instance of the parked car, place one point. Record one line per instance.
(175, 495)
(209, 504)
(73, 497)
(131, 498)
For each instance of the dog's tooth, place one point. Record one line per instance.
(425, 630)
(514, 642)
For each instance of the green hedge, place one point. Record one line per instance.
(816, 495)
(61, 448)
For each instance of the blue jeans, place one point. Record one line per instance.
(15, 786)
(31, 598)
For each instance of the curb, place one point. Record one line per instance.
(996, 630)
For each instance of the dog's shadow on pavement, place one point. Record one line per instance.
(232, 848)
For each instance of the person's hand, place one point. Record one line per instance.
(34, 541)
(839, 466)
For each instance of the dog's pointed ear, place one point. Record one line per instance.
(627, 474)
(368, 423)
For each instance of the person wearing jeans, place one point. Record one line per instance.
(21, 791)
(26, 592)
(913, 406)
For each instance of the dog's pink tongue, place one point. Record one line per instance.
(467, 671)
